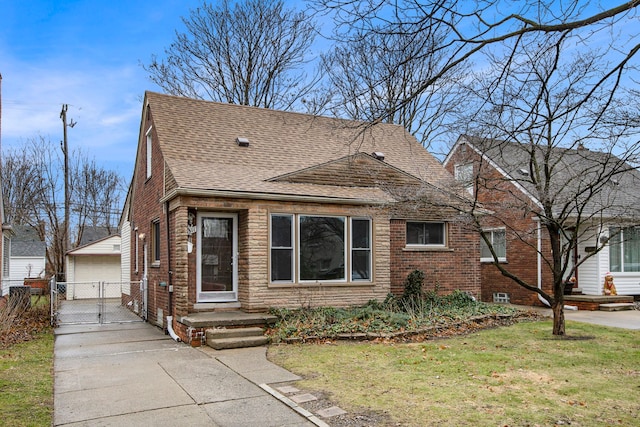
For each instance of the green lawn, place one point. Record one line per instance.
(510, 376)
(26, 382)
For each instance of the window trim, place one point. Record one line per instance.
(467, 182)
(155, 242)
(617, 233)
(491, 231)
(445, 239)
(345, 255)
(369, 249)
(292, 248)
(348, 251)
(149, 148)
(137, 250)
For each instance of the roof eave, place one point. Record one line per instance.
(268, 196)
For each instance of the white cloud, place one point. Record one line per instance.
(104, 102)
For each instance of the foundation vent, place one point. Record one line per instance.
(501, 297)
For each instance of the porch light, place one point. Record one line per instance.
(242, 142)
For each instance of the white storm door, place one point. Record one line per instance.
(217, 249)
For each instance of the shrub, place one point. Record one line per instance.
(413, 292)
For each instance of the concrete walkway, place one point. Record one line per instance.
(626, 319)
(134, 375)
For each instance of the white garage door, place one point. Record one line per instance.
(99, 269)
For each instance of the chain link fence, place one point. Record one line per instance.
(96, 302)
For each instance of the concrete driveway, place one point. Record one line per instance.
(134, 375)
(627, 319)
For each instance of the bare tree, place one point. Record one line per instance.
(541, 94)
(252, 52)
(33, 188)
(567, 137)
(472, 28)
(370, 76)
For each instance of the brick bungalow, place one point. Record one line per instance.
(498, 173)
(241, 208)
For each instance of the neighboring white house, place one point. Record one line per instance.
(27, 257)
(96, 262)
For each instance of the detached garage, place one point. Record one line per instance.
(96, 262)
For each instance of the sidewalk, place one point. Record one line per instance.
(134, 375)
(626, 319)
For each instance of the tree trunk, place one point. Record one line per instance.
(558, 317)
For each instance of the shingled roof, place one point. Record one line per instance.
(288, 154)
(27, 243)
(600, 183)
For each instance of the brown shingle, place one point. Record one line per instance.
(198, 142)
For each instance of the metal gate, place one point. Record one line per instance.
(96, 302)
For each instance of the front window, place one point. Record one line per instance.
(155, 242)
(322, 248)
(313, 248)
(426, 233)
(498, 242)
(624, 251)
(360, 249)
(282, 248)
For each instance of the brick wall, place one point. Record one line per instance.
(145, 208)
(454, 268)
(513, 211)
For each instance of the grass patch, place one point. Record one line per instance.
(26, 364)
(517, 375)
(26, 382)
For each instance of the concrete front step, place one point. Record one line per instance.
(221, 333)
(617, 306)
(225, 338)
(238, 342)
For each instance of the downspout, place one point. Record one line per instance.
(539, 247)
(172, 334)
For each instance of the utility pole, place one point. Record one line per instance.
(66, 244)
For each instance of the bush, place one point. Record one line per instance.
(391, 315)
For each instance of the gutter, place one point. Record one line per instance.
(267, 196)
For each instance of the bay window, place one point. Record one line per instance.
(316, 248)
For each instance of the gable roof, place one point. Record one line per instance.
(26, 242)
(108, 245)
(286, 153)
(574, 173)
(93, 234)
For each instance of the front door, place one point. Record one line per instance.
(217, 245)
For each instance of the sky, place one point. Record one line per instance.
(87, 54)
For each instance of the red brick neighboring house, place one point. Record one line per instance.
(498, 173)
(236, 207)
